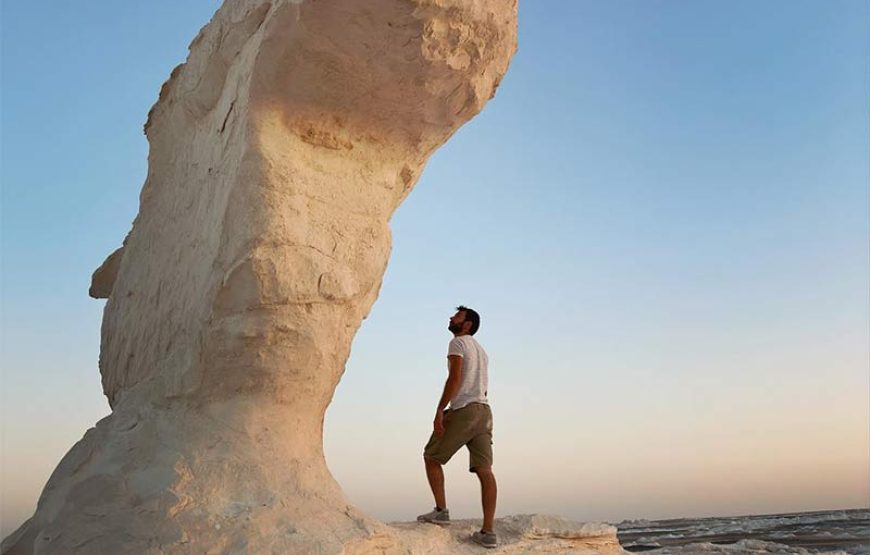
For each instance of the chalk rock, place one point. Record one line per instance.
(520, 534)
(278, 153)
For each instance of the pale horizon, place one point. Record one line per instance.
(663, 217)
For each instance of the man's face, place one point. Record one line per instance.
(456, 322)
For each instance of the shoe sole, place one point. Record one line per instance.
(439, 523)
(486, 545)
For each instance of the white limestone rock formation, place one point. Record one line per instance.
(521, 534)
(278, 153)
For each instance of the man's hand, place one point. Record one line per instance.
(438, 425)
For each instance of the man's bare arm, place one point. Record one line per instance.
(454, 379)
(451, 387)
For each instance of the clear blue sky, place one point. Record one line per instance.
(662, 218)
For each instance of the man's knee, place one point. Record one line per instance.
(482, 470)
(430, 461)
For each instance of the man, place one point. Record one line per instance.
(468, 421)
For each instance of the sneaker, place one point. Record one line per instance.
(486, 539)
(437, 516)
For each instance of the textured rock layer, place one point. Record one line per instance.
(278, 153)
(522, 534)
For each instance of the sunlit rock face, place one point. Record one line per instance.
(278, 153)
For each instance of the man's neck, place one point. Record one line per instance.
(460, 334)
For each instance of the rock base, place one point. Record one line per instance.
(516, 535)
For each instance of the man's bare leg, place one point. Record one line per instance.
(435, 474)
(488, 495)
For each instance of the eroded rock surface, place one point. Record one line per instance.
(278, 153)
(520, 534)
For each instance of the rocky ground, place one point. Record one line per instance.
(516, 534)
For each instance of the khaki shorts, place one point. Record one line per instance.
(470, 426)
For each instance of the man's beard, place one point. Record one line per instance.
(454, 328)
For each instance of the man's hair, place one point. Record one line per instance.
(472, 316)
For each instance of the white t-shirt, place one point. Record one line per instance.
(475, 376)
